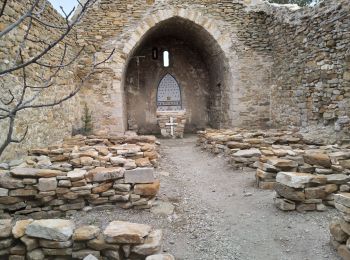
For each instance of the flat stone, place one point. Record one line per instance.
(8, 182)
(151, 245)
(336, 230)
(52, 229)
(160, 257)
(55, 244)
(320, 192)
(4, 192)
(343, 199)
(76, 174)
(101, 174)
(289, 193)
(126, 233)
(20, 227)
(118, 161)
(284, 204)
(47, 184)
(111, 255)
(317, 158)
(282, 164)
(298, 179)
(23, 193)
(36, 254)
(5, 227)
(35, 173)
(102, 187)
(147, 189)
(85, 233)
(139, 175)
(338, 178)
(345, 163)
(99, 244)
(163, 208)
(248, 153)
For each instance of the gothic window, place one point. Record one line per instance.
(169, 94)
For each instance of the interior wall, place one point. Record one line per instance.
(144, 75)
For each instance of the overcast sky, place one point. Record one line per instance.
(66, 4)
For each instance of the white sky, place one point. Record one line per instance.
(67, 5)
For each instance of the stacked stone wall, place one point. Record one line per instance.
(311, 80)
(62, 239)
(79, 172)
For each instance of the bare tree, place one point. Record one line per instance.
(29, 91)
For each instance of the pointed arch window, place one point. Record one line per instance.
(169, 94)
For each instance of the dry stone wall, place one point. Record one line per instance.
(311, 80)
(62, 239)
(81, 171)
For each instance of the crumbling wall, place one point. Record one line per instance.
(311, 69)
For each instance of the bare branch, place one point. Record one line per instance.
(20, 20)
(3, 8)
(22, 138)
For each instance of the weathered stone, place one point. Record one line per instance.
(102, 187)
(30, 243)
(122, 187)
(55, 244)
(151, 245)
(36, 254)
(57, 251)
(100, 244)
(47, 184)
(320, 192)
(343, 199)
(5, 227)
(282, 164)
(112, 255)
(338, 178)
(248, 153)
(284, 204)
(4, 192)
(298, 179)
(52, 229)
(90, 257)
(289, 193)
(76, 174)
(101, 174)
(8, 182)
(20, 227)
(85, 233)
(317, 158)
(306, 207)
(336, 231)
(35, 173)
(23, 193)
(126, 233)
(140, 175)
(148, 189)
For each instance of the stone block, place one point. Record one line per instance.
(139, 175)
(126, 233)
(51, 229)
(47, 184)
(147, 189)
(101, 174)
(298, 180)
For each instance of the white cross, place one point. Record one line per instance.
(171, 124)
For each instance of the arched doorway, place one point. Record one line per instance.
(196, 64)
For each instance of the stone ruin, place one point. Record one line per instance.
(238, 63)
(81, 171)
(61, 239)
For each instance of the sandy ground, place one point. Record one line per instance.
(220, 214)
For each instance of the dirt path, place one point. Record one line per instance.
(220, 215)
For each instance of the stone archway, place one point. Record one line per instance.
(194, 37)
